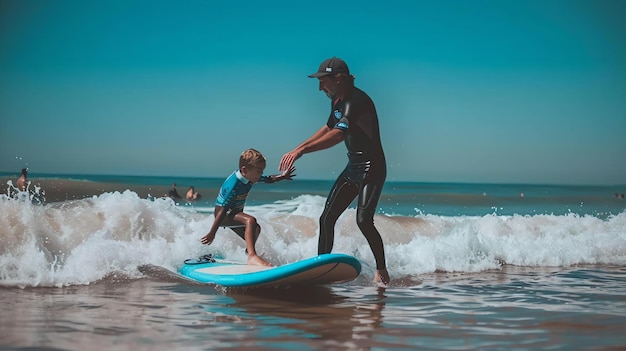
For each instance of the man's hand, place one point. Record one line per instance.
(286, 163)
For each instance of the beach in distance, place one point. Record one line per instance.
(92, 262)
(403, 198)
(62, 189)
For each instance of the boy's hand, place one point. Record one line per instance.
(208, 239)
(286, 175)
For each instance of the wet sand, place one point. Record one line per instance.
(63, 189)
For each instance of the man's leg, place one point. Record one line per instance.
(340, 196)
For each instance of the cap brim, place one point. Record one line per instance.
(319, 74)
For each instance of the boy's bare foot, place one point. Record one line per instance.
(256, 260)
(381, 278)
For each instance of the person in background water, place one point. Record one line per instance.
(352, 119)
(192, 194)
(22, 181)
(232, 198)
(173, 192)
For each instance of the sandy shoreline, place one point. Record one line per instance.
(64, 189)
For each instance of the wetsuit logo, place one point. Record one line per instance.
(341, 125)
(337, 114)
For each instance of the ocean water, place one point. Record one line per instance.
(473, 266)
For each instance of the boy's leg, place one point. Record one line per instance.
(240, 230)
(250, 235)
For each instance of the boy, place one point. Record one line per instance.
(232, 198)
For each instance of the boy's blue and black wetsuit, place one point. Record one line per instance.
(364, 175)
(233, 194)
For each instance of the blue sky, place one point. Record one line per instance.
(466, 91)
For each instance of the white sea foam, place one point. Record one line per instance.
(83, 241)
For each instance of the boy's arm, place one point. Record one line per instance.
(220, 213)
(288, 175)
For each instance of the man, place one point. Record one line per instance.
(352, 119)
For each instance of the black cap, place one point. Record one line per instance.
(331, 66)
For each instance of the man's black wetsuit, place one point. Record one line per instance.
(363, 176)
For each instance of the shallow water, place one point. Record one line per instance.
(472, 267)
(576, 308)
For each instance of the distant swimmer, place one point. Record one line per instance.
(22, 181)
(36, 194)
(192, 194)
(173, 193)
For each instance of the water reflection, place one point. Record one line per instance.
(532, 308)
(310, 316)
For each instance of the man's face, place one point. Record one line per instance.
(328, 84)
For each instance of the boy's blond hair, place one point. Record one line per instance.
(251, 157)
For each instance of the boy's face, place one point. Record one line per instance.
(253, 172)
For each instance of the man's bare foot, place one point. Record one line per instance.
(381, 278)
(256, 260)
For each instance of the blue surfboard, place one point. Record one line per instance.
(322, 269)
